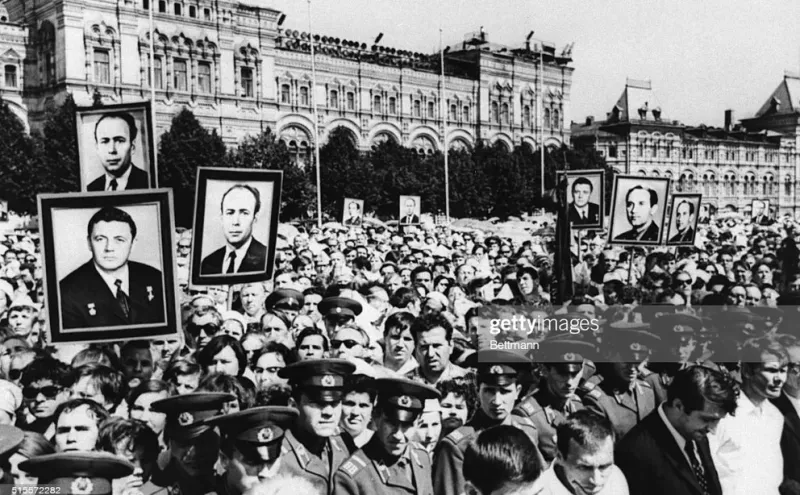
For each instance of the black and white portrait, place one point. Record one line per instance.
(235, 225)
(705, 213)
(638, 209)
(684, 215)
(353, 214)
(409, 210)
(115, 147)
(585, 199)
(3, 211)
(109, 265)
(759, 213)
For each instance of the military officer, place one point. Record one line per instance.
(193, 445)
(621, 396)
(338, 311)
(678, 332)
(312, 448)
(84, 473)
(498, 391)
(556, 398)
(390, 462)
(251, 446)
(288, 302)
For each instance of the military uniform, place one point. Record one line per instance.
(85, 473)
(297, 460)
(547, 412)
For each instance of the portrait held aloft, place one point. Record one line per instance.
(683, 219)
(410, 209)
(236, 224)
(585, 195)
(115, 147)
(638, 210)
(118, 281)
(760, 214)
(353, 215)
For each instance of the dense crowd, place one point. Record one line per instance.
(364, 367)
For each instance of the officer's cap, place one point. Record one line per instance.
(322, 379)
(566, 350)
(339, 306)
(10, 438)
(257, 427)
(186, 413)
(679, 323)
(403, 399)
(631, 345)
(497, 367)
(79, 473)
(285, 299)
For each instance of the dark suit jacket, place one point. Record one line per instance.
(651, 234)
(87, 301)
(790, 439)
(409, 219)
(686, 236)
(592, 219)
(255, 260)
(654, 464)
(137, 180)
(353, 221)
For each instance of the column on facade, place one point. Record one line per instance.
(257, 78)
(87, 46)
(192, 66)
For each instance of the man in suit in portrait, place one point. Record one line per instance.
(760, 213)
(668, 452)
(109, 289)
(115, 137)
(641, 204)
(353, 215)
(410, 217)
(684, 223)
(242, 253)
(581, 211)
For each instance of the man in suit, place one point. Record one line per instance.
(410, 217)
(581, 211)
(789, 404)
(109, 289)
(242, 253)
(669, 452)
(684, 222)
(353, 215)
(641, 204)
(114, 136)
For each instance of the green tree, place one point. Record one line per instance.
(345, 173)
(56, 168)
(397, 168)
(16, 161)
(470, 194)
(186, 146)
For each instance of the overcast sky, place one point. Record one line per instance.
(702, 56)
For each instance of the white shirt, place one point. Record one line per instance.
(677, 436)
(122, 182)
(747, 449)
(548, 482)
(123, 274)
(583, 211)
(240, 254)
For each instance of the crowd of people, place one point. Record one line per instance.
(364, 367)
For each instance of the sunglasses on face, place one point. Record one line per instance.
(348, 343)
(684, 282)
(208, 328)
(49, 392)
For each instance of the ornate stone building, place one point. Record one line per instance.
(13, 41)
(730, 166)
(240, 71)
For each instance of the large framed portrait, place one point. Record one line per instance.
(410, 209)
(585, 193)
(759, 211)
(684, 210)
(353, 214)
(115, 147)
(109, 265)
(638, 210)
(235, 225)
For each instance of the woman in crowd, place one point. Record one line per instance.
(33, 445)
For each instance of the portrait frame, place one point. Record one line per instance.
(345, 212)
(152, 212)
(766, 204)
(618, 223)
(401, 209)
(212, 183)
(708, 209)
(143, 156)
(696, 200)
(597, 197)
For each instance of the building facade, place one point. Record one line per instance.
(240, 71)
(730, 166)
(13, 48)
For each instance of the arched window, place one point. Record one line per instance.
(304, 95)
(787, 186)
(465, 114)
(453, 113)
(333, 99)
(547, 118)
(285, 94)
(417, 108)
(504, 114)
(392, 105)
(376, 104)
(431, 110)
(495, 117)
(11, 76)
(526, 115)
(556, 119)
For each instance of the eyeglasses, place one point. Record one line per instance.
(49, 392)
(208, 328)
(182, 246)
(348, 343)
(14, 374)
(272, 329)
(684, 281)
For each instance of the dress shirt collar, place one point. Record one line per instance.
(583, 210)
(110, 279)
(122, 182)
(677, 436)
(240, 253)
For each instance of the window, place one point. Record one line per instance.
(50, 67)
(376, 104)
(547, 118)
(453, 113)
(102, 67)
(178, 7)
(162, 6)
(431, 110)
(504, 114)
(179, 71)
(247, 83)
(304, 95)
(192, 11)
(351, 101)
(333, 99)
(466, 114)
(556, 120)
(417, 108)
(204, 77)
(146, 4)
(495, 116)
(285, 94)
(157, 73)
(612, 151)
(787, 186)
(392, 105)
(207, 14)
(526, 115)
(11, 76)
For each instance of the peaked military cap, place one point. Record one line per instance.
(403, 399)
(322, 379)
(285, 299)
(257, 432)
(497, 367)
(186, 413)
(339, 306)
(78, 473)
(569, 350)
(631, 345)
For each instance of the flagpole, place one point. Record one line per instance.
(153, 112)
(316, 118)
(445, 148)
(541, 116)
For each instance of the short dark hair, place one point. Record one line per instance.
(217, 345)
(46, 368)
(653, 194)
(697, 385)
(684, 202)
(310, 332)
(360, 384)
(128, 118)
(402, 320)
(241, 387)
(584, 181)
(273, 347)
(108, 381)
(505, 451)
(430, 321)
(148, 387)
(111, 214)
(252, 190)
(99, 412)
(135, 434)
(586, 428)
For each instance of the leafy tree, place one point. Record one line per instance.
(56, 168)
(345, 173)
(470, 194)
(16, 160)
(186, 146)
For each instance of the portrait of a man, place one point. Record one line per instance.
(760, 214)
(639, 208)
(409, 207)
(353, 215)
(242, 253)
(705, 213)
(683, 223)
(585, 195)
(110, 289)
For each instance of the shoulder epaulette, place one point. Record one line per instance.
(522, 421)
(529, 406)
(585, 388)
(353, 465)
(645, 384)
